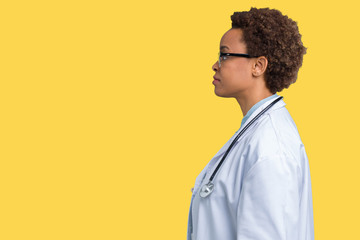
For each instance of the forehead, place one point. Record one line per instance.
(232, 40)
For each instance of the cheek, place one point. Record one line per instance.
(237, 77)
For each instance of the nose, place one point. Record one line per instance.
(215, 67)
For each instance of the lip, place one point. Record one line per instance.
(215, 80)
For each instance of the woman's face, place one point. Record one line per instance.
(235, 73)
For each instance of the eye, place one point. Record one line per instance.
(224, 57)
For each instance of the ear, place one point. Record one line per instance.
(259, 66)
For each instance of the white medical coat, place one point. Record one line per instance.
(262, 190)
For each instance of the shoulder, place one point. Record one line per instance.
(274, 136)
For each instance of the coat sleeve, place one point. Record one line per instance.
(268, 207)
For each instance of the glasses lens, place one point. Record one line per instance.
(219, 60)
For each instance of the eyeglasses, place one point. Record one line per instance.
(223, 56)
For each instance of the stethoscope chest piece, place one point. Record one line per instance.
(206, 190)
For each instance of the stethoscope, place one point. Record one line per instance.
(208, 188)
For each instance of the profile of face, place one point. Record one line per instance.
(236, 74)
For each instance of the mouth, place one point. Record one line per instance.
(215, 81)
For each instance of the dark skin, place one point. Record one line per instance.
(240, 78)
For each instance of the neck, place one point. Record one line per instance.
(249, 99)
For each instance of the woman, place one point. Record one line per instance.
(258, 185)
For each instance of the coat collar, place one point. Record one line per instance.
(277, 105)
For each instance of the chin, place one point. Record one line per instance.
(220, 94)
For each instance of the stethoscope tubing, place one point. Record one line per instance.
(239, 135)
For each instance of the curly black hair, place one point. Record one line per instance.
(266, 32)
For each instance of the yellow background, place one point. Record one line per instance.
(108, 114)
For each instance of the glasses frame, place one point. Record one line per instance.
(221, 54)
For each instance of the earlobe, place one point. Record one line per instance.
(257, 73)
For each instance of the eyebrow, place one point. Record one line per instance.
(223, 47)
